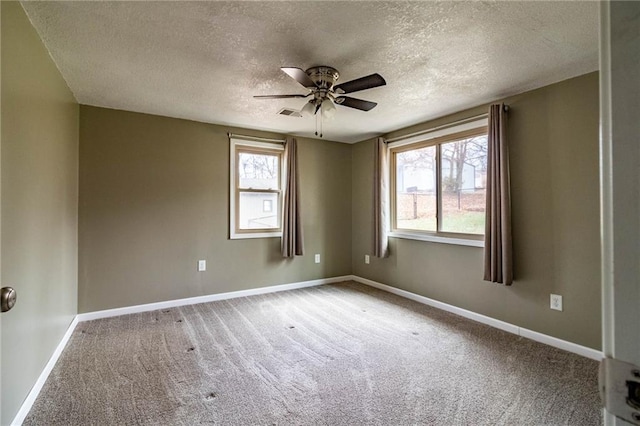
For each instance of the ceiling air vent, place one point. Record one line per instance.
(290, 112)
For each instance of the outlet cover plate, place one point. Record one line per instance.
(202, 265)
(366, 259)
(317, 258)
(556, 302)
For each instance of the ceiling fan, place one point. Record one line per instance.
(320, 81)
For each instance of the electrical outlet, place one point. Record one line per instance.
(556, 302)
(202, 265)
(317, 258)
(366, 259)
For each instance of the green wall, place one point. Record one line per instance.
(553, 135)
(154, 197)
(39, 206)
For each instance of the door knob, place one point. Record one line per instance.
(7, 298)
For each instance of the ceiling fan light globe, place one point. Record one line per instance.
(308, 109)
(328, 109)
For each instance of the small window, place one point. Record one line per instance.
(439, 184)
(256, 189)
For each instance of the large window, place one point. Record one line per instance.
(256, 189)
(438, 185)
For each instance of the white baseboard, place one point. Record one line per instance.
(511, 328)
(37, 387)
(208, 298)
(561, 344)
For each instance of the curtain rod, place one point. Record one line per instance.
(443, 126)
(255, 138)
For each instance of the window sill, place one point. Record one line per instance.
(241, 236)
(437, 239)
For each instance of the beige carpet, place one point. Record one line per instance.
(343, 354)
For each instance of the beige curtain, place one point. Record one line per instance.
(292, 238)
(498, 251)
(381, 200)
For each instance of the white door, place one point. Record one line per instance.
(620, 180)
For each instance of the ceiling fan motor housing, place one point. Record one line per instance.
(323, 76)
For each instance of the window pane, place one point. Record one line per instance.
(416, 189)
(464, 176)
(252, 212)
(258, 171)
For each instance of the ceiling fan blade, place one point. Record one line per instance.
(279, 96)
(300, 76)
(362, 83)
(355, 103)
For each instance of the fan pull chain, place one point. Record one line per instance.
(316, 117)
(320, 121)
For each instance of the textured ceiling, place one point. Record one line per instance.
(204, 60)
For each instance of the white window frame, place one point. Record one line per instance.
(424, 139)
(237, 144)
